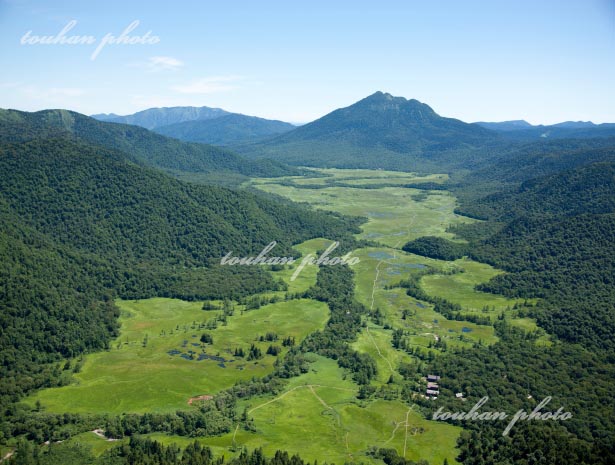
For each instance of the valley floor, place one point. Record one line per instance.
(159, 362)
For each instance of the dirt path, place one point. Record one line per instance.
(320, 398)
(406, 434)
(327, 406)
(309, 386)
(397, 425)
(378, 349)
(276, 399)
(7, 456)
(435, 336)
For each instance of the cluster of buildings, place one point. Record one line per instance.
(433, 390)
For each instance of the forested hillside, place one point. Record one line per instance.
(84, 224)
(586, 189)
(555, 237)
(145, 146)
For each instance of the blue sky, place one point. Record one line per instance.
(543, 61)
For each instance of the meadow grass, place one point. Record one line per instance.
(319, 417)
(459, 288)
(306, 278)
(332, 176)
(395, 214)
(380, 267)
(131, 377)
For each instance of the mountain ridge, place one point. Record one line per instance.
(151, 118)
(148, 147)
(206, 125)
(224, 130)
(522, 130)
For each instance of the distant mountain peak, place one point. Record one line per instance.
(385, 102)
(362, 134)
(522, 130)
(164, 116)
(380, 96)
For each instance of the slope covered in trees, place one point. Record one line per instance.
(100, 201)
(145, 146)
(386, 132)
(84, 224)
(588, 189)
(554, 234)
(513, 164)
(569, 262)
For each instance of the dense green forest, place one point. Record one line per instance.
(586, 189)
(555, 236)
(145, 146)
(557, 243)
(335, 286)
(82, 225)
(579, 380)
(436, 247)
(99, 201)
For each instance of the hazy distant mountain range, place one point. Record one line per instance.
(380, 123)
(520, 129)
(201, 124)
(157, 117)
